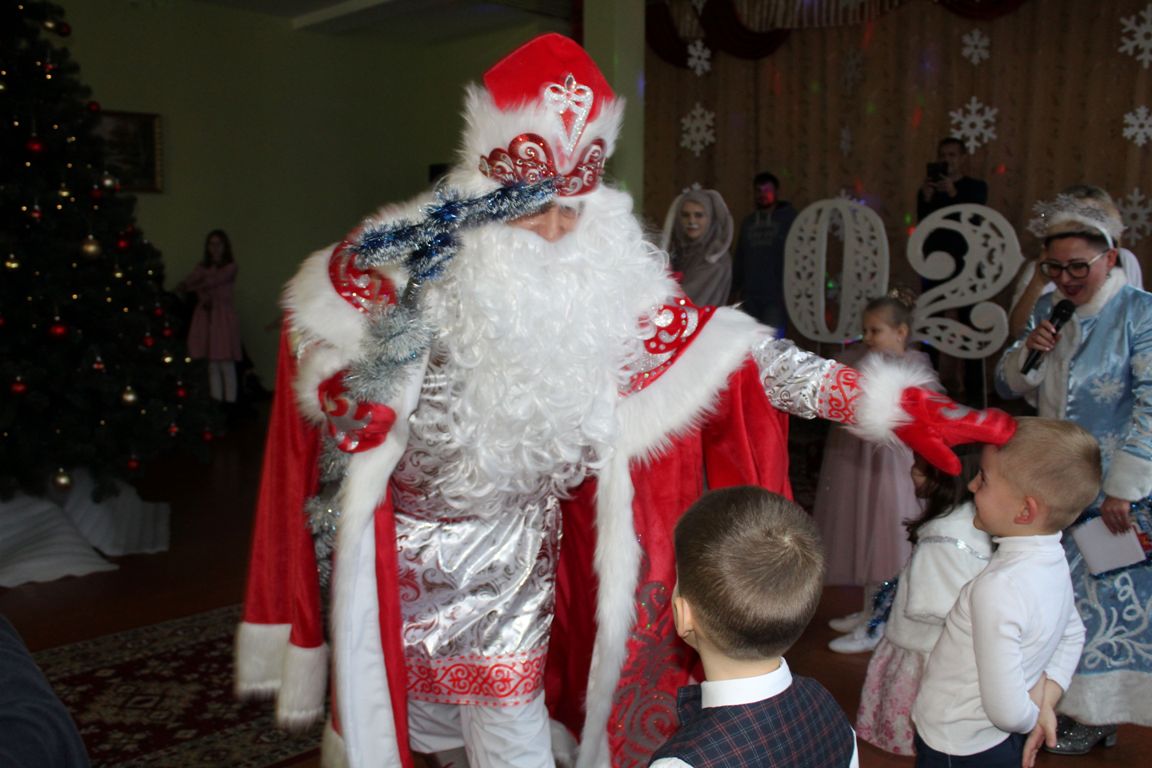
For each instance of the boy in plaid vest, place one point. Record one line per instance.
(750, 568)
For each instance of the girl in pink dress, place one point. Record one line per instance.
(865, 491)
(215, 330)
(948, 552)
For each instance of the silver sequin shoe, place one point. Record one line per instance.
(1073, 738)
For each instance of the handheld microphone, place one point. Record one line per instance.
(1061, 313)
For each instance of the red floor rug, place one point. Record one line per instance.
(162, 696)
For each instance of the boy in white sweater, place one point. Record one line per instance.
(1013, 639)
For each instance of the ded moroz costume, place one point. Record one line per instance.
(533, 387)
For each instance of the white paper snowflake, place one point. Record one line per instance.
(976, 46)
(853, 72)
(1136, 210)
(699, 58)
(975, 123)
(699, 6)
(1138, 126)
(1140, 42)
(1106, 389)
(845, 140)
(696, 129)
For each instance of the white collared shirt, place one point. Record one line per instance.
(745, 690)
(1010, 624)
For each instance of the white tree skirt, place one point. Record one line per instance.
(42, 540)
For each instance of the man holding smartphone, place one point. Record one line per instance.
(945, 184)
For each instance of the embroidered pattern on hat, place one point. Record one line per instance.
(572, 102)
(529, 159)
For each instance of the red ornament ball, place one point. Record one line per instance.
(93, 106)
(173, 429)
(96, 193)
(158, 311)
(181, 392)
(149, 341)
(34, 145)
(58, 330)
(207, 436)
(133, 464)
(123, 243)
(167, 332)
(18, 387)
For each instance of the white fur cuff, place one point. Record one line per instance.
(1129, 477)
(260, 652)
(882, 383)
(301, 699)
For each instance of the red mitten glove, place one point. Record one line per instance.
(354, 425)
(938, 423)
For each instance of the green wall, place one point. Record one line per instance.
(285, 139)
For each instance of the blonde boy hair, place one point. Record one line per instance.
(751, 565)
(1057, 463)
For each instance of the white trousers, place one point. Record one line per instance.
(492, 737)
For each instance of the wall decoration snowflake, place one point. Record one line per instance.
(699, 58)
(976, 45)
(1136, 210)
(1140, 42)
(975, 123)
(853, 72)
(696, 129)
(845, 140)
(699, 6)
(1138, 126)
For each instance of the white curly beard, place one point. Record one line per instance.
(535, 341)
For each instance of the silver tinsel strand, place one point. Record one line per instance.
(323, 519)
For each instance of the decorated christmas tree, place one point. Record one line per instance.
(93, 368)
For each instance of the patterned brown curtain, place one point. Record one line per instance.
(1043, 95)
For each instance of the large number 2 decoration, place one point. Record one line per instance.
(991, 260)
(806, 264)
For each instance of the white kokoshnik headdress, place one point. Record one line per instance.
(1068, 214)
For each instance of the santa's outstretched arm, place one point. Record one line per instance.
(885, 401)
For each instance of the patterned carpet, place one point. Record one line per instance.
(162, 696)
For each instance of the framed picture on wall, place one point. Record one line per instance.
(132, 149)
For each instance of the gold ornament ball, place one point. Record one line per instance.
(128, 396)
(91, 247)
(62, 479)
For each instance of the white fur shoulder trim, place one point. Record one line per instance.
(882, 382)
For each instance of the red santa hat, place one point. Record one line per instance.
(545, 111)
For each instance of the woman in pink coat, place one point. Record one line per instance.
(215, 331)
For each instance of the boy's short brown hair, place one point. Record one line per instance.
(1055, 462)
(751, 564)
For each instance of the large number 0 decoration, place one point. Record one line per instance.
(991, 261)
(865, 273)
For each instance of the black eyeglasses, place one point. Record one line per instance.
(1052, 269)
